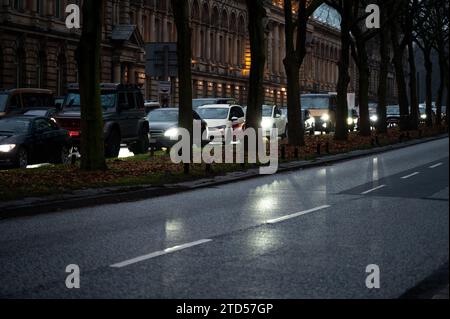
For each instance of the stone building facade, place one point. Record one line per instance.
(37, 50)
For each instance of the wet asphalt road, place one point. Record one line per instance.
(303, 234)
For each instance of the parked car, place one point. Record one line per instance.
(272, 117)
(196, 103)
(26, 140)
(393, 115)
(124, 118)
(58, 102)
(164, 127)
(221, 117)
(373, 114)
(151, 105)
(18, 101)
(322, 107)
(310, 122)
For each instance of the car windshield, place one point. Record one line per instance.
(267, 111)
(162, 115)
(197, 103)
(12, 125)
(213, 113)
(108, 100)
(319, 102)
(393, 110)
(3, 100)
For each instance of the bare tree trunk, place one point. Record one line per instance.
(415, 113)
(361, 59)
(344, 77)
(400, 77)
(88, 56)
(256, 27)
(292, 63)
(429, 85)
(184, 52)
(382, 85)
(443, 68)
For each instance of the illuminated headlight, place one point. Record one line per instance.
(267, 124)
(374, 118)
(355, 121)
(324, 125)
(171, 133)
(325, 117)
(350, 121)
(311, 121)
(423, 116)
(6, 148)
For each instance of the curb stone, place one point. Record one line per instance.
(94, 197)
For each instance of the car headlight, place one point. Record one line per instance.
(325, 117)
(423, 116)
(267, 124)
(171, 133)
(374, 118)
(350, 121)
(6, 148)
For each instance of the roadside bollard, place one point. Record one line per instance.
(318, 148)
(372, 142)
(296, 153)
(327, 147)
(152, 151)
(208, 168)
(283, 152)
(377, 140)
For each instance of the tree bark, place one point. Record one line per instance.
(88, 56)
(344, 77)
(415, 113)
(184, 53)
(399, 49)
(292, 63)
(382, 85)
(429, 85)
(256, 28)
(361, 59)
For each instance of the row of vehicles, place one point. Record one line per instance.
(35, 127)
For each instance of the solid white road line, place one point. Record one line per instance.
(284, 218)
(159, 253)
(410, 175)
(436, 165)
(373, 189)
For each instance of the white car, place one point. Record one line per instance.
(221, 117)
(272, 118)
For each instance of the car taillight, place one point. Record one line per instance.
(74, 134)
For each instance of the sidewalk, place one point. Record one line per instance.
(93, 197)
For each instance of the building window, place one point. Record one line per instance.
(41, 70)
(61, 75)
(58, 9)
(18, 4)
(20, 68)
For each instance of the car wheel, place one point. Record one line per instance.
(112, 147)
(63, 156)
(22, 158)
(141, 146)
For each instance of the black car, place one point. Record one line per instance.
(124, 118)
(26, 140)
(164, 126)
